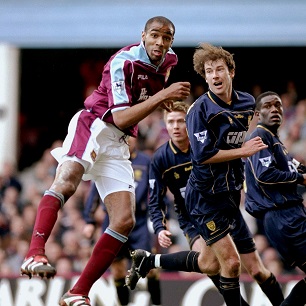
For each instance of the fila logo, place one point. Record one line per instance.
(235, 137)
(142, 77)
(201, 136)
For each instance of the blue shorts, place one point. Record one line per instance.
(286, 231)
(217, 215)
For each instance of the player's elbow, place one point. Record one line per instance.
(121, 120)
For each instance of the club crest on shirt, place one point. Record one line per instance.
(137, 174)
(211, 225)
(118, 86)
(201, 136)
(93, 155)
(266, 161)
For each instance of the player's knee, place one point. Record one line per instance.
(210, 267)
(124, 224)
(259, 276)
(258, 272)
(233, 265)
(67, 189)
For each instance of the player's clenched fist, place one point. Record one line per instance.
(177, 91)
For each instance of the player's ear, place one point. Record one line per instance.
(256, 113)
(143, 35)
(172, 41)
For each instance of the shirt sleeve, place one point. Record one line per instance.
(202, 140)
(157, 206)
(266, 167)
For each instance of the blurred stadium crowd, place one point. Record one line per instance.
(67, 249)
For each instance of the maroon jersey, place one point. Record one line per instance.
(128, 78)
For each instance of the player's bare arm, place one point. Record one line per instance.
(249, 148)
(133, 115)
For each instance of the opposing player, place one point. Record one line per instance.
(272, 178)
(169, 170)
(132, 86)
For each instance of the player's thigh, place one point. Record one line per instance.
(207, 260)
(120, 206)
(227, 255)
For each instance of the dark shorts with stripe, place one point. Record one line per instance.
(217, 215)
(286, 231)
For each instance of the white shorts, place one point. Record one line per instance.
(105, 158)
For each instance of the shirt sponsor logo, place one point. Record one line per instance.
(143, 95)
(266, 161)
(239, 116)
(292, 167)
(235, 137)
(142, 77)
(118, 86)
(188, 168)
(201, 136)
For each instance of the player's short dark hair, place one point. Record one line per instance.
(206, 52)
(262, 95)
(161, 19)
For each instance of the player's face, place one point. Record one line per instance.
(219, 78)
(271, 111)
(157, 40)
(176, 127)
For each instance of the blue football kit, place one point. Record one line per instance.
(213, 189)
(272, 178)
(170, 169)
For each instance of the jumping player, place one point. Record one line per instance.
(132, 86)
(140, 237)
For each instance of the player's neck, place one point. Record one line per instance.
(183, 146)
